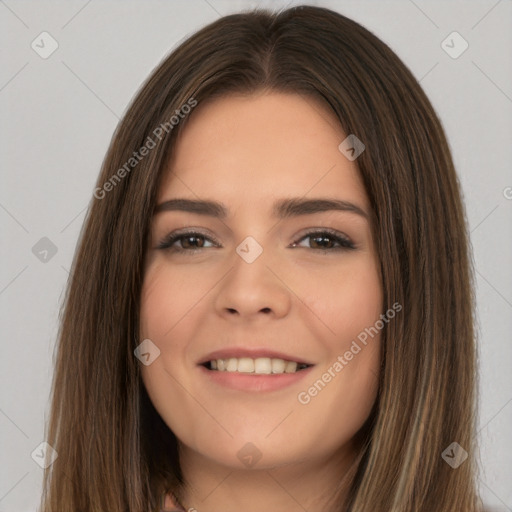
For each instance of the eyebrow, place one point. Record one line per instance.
(282, 209)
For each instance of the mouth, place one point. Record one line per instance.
(255, 366)
(253, 369)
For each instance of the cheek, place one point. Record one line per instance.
(167, 302)
(347, 301)
(168, 318)
(162, 315)
(344, 389)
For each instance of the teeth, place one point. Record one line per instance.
(245, 365)
(278, 365)
(263, 365)
(291, 367)
(232, 365)
(260, 365)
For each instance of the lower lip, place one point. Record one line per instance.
(254, 382)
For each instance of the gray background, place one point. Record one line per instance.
(59, 113)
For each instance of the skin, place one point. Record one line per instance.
(247, 152)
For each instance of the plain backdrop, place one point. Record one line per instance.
(58, 116)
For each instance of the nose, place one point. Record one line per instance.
(253, 289)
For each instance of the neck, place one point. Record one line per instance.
(314, 484)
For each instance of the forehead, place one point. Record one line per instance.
(246, 148)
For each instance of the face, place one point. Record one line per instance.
(235, 294)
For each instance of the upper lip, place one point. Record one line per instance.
(253, 353)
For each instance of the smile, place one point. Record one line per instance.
(256, 366)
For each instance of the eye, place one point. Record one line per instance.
(190, 241)
(194, 241)
(325, 238)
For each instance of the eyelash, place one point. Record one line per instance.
(166, 244)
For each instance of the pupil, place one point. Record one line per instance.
(189, 243)
(323, 239)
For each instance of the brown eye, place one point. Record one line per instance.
(327, 240)
(189, 241)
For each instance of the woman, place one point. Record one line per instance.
(271, 302)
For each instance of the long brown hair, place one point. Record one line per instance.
(114, 451)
